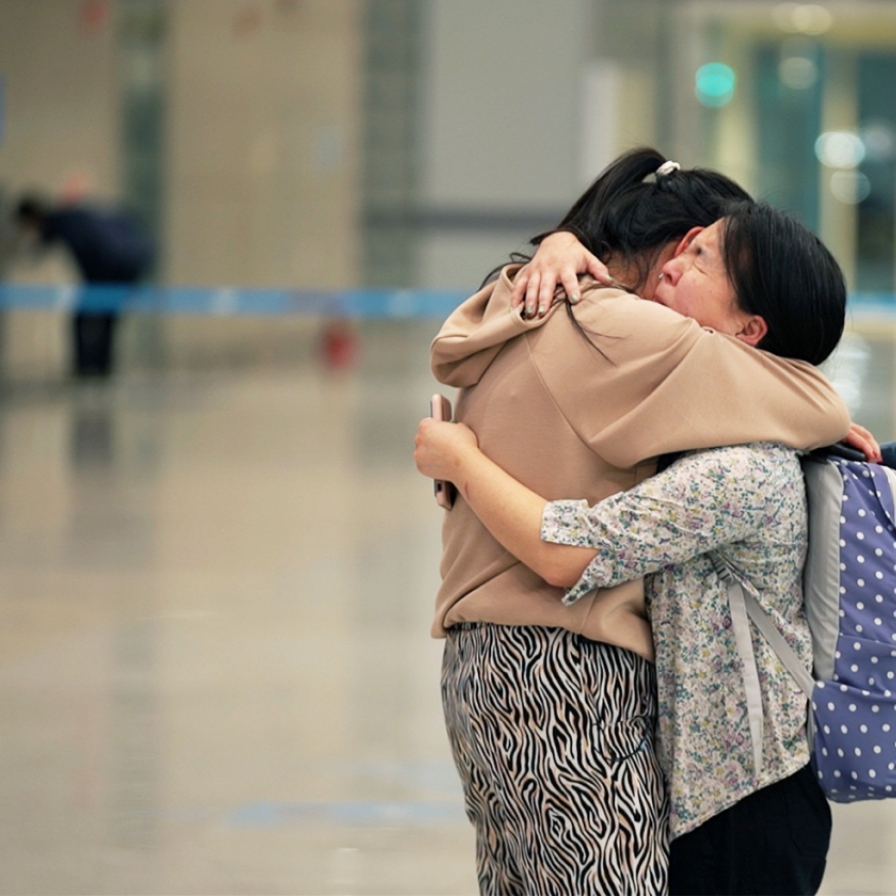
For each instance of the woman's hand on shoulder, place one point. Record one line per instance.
(440, 448)
(862, 440)
(559, 259)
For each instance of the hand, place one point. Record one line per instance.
(440, 448)
(861, 439)
(560, 257)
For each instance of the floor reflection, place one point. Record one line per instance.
(215, 668)
(135, 748)
(92, 439)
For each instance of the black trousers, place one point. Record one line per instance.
(93, 337)
(773, 842)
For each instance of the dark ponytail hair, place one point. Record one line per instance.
(783, 272)
(630, 213)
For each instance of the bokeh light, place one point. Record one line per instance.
(879, 139)
(840, 149)
(798, 72)
(714, 84)
(803, 18)
(850, 187)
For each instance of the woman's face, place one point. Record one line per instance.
(694, 282)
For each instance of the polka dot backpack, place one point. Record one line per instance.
(850, 593)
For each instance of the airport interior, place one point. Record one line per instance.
(218, 563)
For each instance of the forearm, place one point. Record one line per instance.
(512, 513)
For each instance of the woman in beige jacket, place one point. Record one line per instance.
(551, 727)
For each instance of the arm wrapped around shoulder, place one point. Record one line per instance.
(477, 330)
(662, 383)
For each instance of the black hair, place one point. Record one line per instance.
(31, 208)
(782, 271)
(630, 213)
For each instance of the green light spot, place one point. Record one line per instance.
(714, 84)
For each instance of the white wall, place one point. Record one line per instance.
(501, 122)
(61, 119)
(502, 102)
(262, 162)
(263, 110)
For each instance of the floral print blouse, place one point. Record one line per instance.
(747, 504)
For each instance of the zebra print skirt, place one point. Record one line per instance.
(553, 737)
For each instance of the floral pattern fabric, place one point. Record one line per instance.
(747, 504)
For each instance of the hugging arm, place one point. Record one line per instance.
(701, 502)
(660, 382)
(801, 395)
(509, 510)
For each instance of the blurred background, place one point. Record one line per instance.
(217, 563)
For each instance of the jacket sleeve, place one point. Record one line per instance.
(654, 382)
(476, 331)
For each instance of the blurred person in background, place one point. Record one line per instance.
(550, 708)
(7, 233)
(110, 247)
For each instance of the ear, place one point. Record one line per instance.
(753, 330)
(686, 240)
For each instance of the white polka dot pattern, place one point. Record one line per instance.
(855, 713)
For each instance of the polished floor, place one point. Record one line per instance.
(216, 675)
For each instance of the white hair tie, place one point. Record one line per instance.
(667, 168)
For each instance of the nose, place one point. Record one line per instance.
(671, 271)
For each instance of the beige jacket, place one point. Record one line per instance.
(572, 421)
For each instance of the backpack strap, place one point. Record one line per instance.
(785, 652)
(744, 606)
(742, 638)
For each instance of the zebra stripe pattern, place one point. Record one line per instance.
(553, 737)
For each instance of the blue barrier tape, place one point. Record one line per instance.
(872, 306)
(236, 301)
(232, 301)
